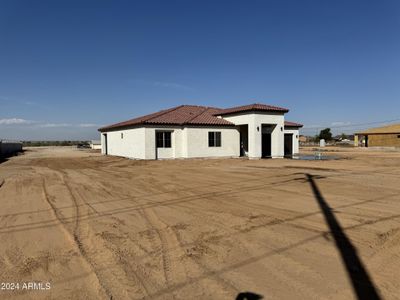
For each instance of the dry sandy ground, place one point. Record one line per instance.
(100, 227)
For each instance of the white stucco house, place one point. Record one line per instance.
(95, 144)
(189, 131)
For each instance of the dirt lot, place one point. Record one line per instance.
(98, 227)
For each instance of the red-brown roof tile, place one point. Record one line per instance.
(192, 115)
(180, 115)
(292, 124)
(252, 107)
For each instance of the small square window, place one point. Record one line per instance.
(163, 139)
(214, 139)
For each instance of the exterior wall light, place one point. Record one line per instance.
(258, 128)
(281, 128)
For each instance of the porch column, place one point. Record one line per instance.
(254, 136)
(356, 140)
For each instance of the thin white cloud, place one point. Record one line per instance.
(53, 125)
(20, 102)
(312, 126)
(40, 124)
(15, 121)
(340, 123)
(88, 125)
(332, 124)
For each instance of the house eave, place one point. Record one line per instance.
(164, 125)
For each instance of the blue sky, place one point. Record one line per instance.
(68, 67)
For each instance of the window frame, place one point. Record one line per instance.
(163, 139)
(214, 139)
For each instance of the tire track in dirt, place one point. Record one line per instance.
(231, 232)
(73, 238)
(100, 187)
(85, 252)
(130, 265)
(126, 272)
(219, 283)
(150, 203)
(174, 271)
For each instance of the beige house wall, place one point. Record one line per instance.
(384, 140)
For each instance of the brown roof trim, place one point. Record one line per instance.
(376, 133)
(251, 107)
(388, 129)
(293, 124)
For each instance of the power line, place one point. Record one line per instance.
(353, 125)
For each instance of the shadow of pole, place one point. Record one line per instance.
(248, 296)
(361, 281)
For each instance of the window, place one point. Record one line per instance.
(214, 139)
(163, 139)
(122, 135)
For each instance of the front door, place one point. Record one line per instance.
(288, 145)
(266, 145)
(105, 144)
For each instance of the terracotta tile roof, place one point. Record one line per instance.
(192, 115)
(292, 124)
(179, 115)
(252, 107)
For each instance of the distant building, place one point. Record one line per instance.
(386, 136)
(303, 139)
(344, 139)
(96, 144)
(189, 131)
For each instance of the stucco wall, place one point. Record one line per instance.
(254, 121)
(190, 142)
(186, 142)
(177, 143)
(197, 142)
(95, 146)
(296, 135)
(132, 144)
(384, 140)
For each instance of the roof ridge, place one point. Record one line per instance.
(204, 109)
(163, 113)
(250, 107)
(202, 106)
